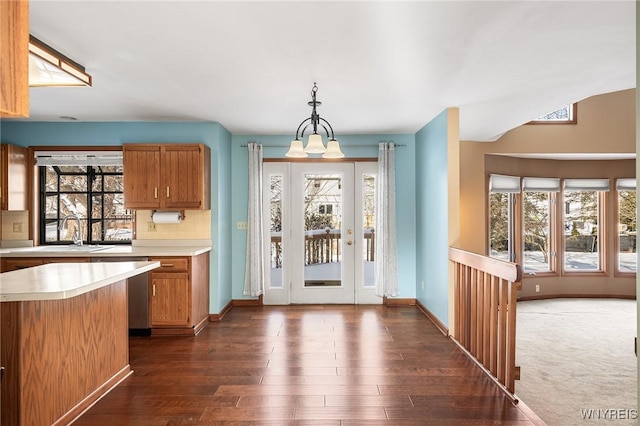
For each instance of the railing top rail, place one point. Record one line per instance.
(506, 270)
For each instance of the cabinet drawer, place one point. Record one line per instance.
(172, 264)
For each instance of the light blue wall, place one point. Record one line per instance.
(421, 186)
(116, 133)
(354, 146)
(432, 217)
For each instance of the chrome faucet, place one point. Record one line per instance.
(77, 236)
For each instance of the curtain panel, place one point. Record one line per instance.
(386, 250)
(254, 271)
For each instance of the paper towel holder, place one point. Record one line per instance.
(182, 215)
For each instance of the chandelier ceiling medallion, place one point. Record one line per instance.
(315, 145)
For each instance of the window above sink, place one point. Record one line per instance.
(88, 186)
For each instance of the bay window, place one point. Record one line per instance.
(556, 226)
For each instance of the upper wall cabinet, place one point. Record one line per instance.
(167, 176)
(14, 63)
(13, 177)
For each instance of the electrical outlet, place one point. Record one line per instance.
(242, 225)
(151, 226)
(17, 226)
(537, 288)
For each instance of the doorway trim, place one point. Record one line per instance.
(281, 293)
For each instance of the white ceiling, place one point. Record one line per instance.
(381, 67)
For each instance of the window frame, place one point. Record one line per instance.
(603, 267)
(572, 120)
(42, 221)
(511, 225)
(616, 241)
(553, 236)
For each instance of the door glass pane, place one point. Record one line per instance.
(275, 245)
(581, 231)
(499, 225)
(322, 230)
(369, 221)
(536, 232)
(627, 229)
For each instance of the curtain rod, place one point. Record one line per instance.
(341, 145)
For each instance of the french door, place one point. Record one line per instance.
(320, 232)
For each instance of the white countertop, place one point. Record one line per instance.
(55, 281)
(110, 251)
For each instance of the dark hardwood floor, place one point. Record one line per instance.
(306, 365)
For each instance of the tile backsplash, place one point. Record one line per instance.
(15, 225)
(195, 225)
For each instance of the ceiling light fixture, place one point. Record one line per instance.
(314, 144)
(48, 67)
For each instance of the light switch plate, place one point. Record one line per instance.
(17, 226)
(151, 226)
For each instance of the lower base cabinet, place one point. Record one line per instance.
(178, 290)
(179, 295)
(13, 264)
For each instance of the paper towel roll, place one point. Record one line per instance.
(166, 217)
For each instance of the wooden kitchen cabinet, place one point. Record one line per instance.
(179, 295)
(167, 176)
(15, 263)
(13, 177)
(14, 66)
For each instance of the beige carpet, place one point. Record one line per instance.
(577, 359)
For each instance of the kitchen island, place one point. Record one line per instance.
(64, 338)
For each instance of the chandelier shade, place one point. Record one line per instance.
(315, 145)
(333, 150)
(296, 150)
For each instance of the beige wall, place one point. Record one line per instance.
(606, 124)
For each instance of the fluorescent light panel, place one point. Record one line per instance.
(48, 67)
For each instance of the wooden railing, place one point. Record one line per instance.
(485, 292)
(322, 246)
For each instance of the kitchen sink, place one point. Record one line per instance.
(71, 248)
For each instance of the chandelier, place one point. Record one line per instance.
(315, 145)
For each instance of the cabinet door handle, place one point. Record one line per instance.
(167, 192)
(155, 192)
(154, 290)
(166, 265)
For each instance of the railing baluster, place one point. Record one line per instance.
(485, 292)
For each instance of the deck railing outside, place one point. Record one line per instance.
(321, 246)
(485, 291)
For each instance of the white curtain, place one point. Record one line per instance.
(254, 271)
(386, 253)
